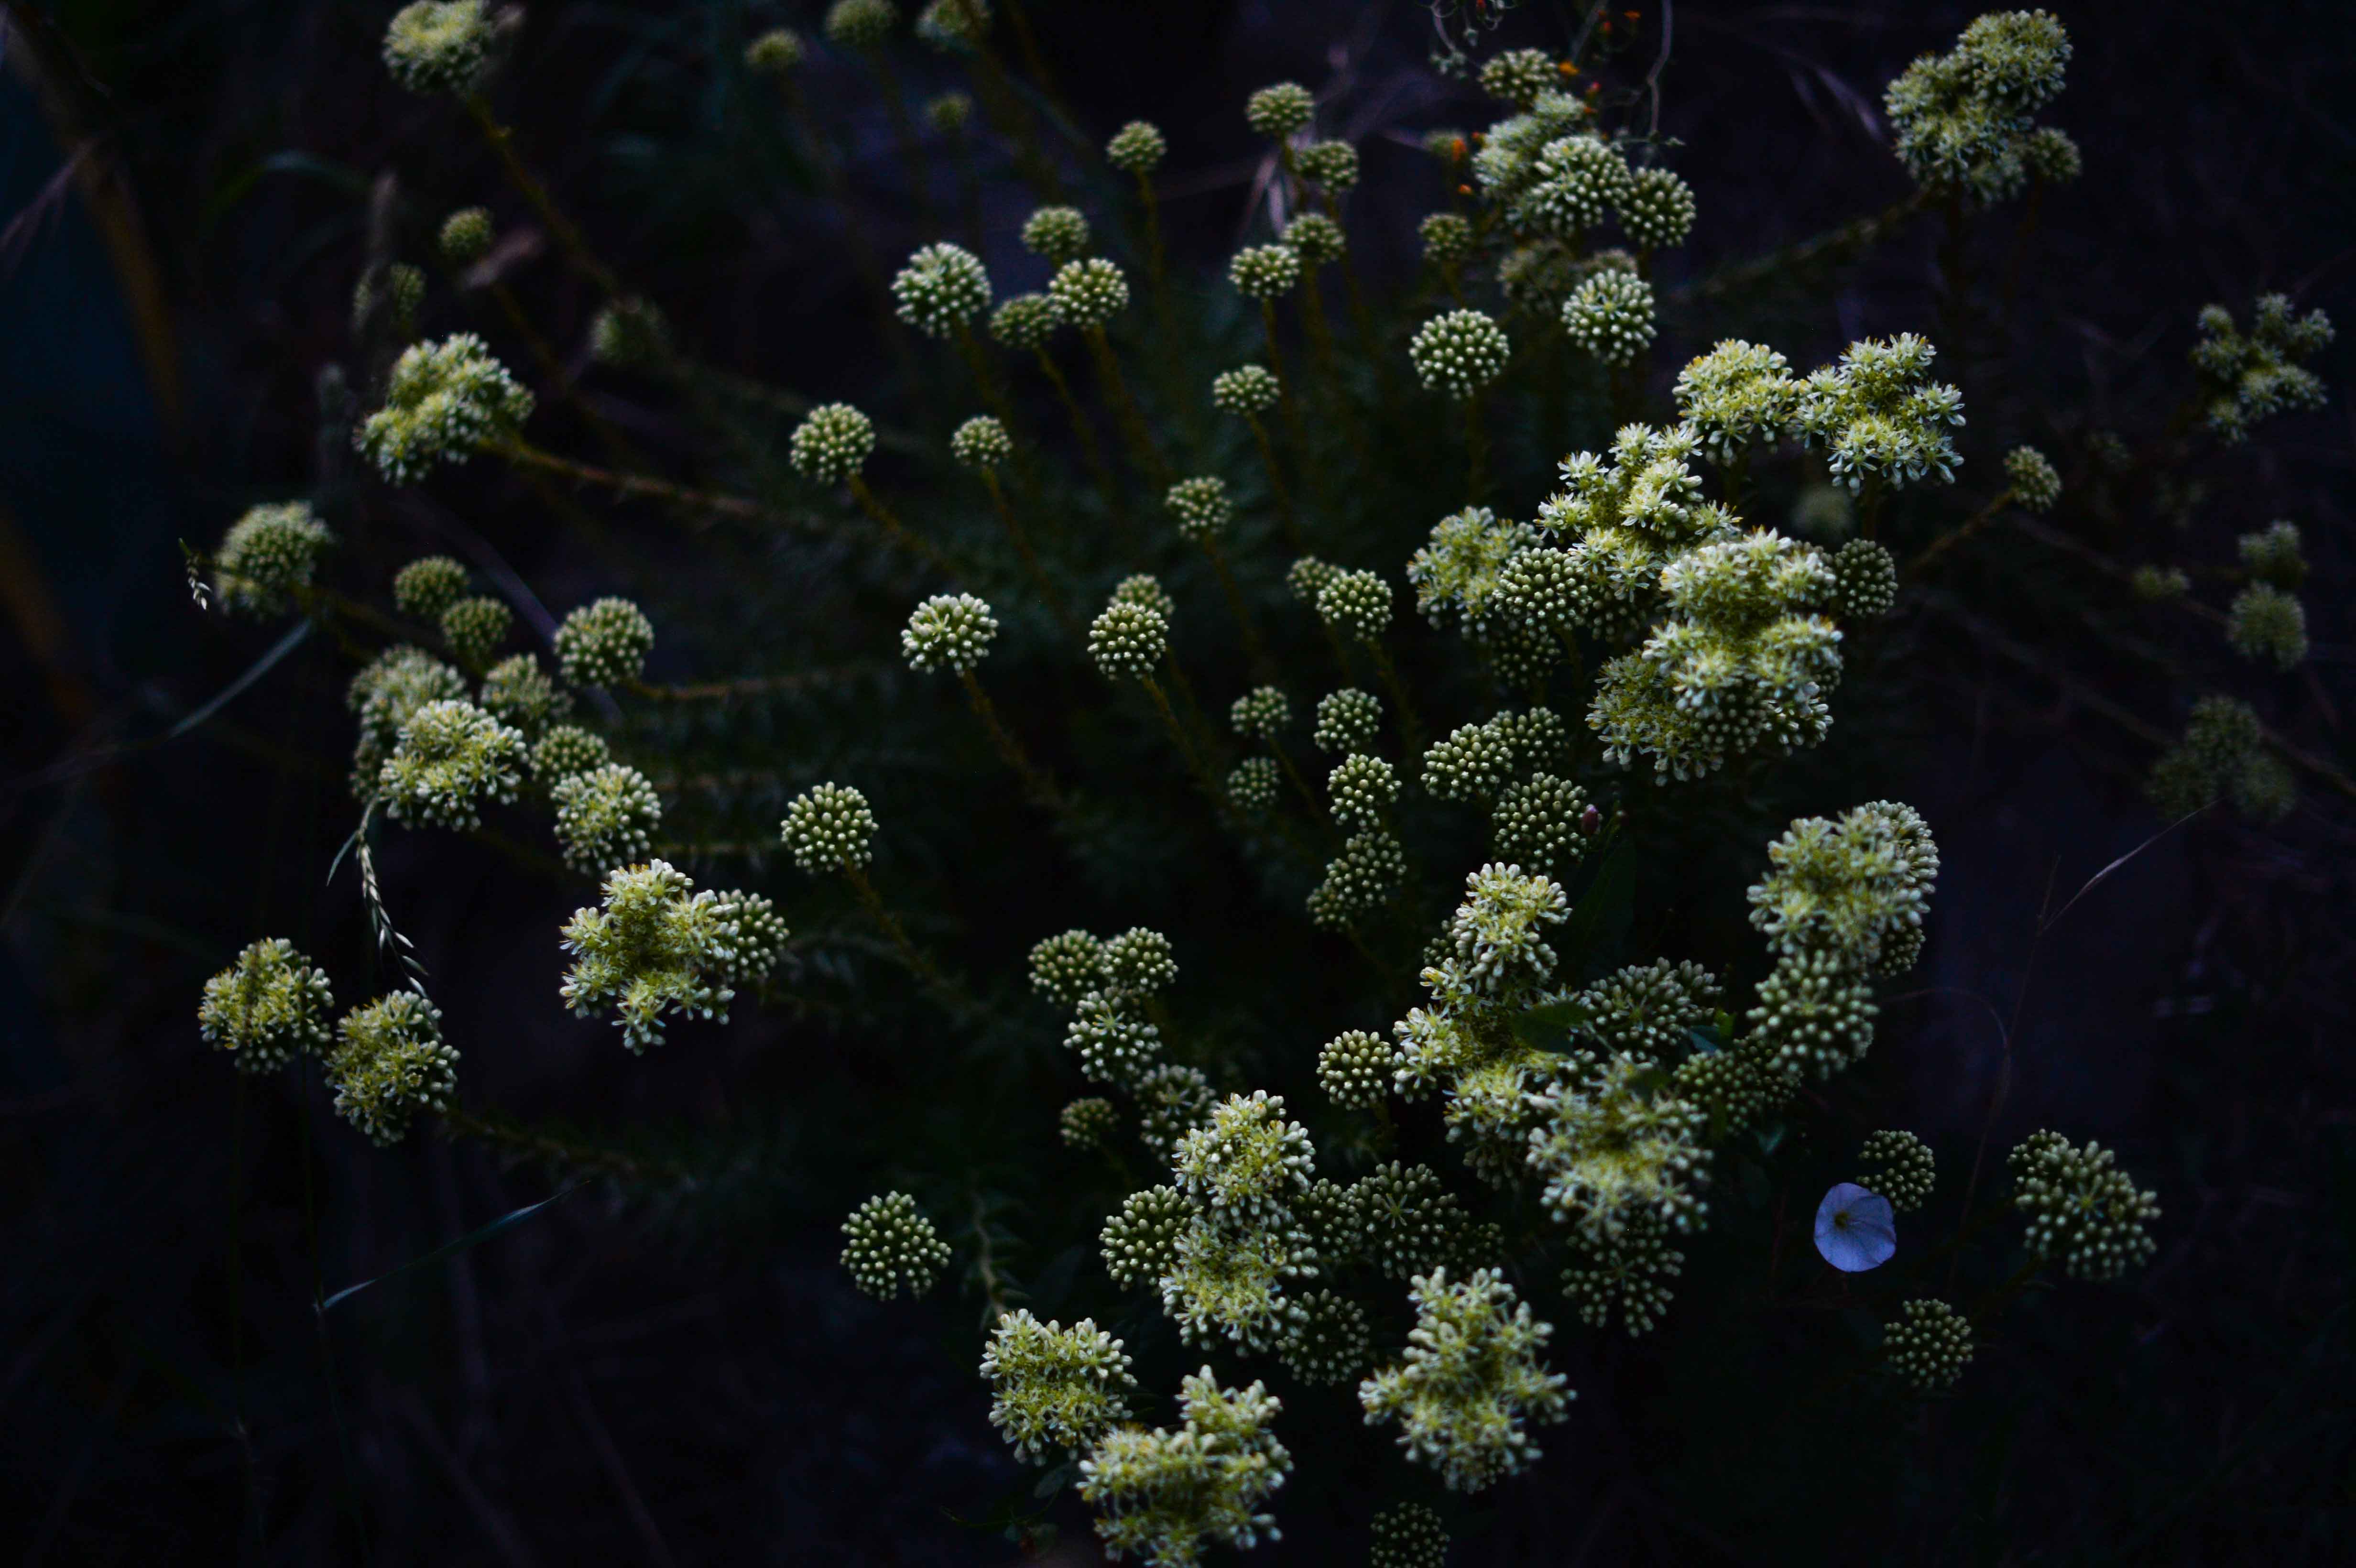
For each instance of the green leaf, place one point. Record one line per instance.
(1549, 1028)
(1605, 910)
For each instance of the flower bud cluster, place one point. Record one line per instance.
(1471, 1384)
(443, 402)
(1929, 1344)
(390, 1062)
(657, 946)
(1168, 1493)
(267, 1008)
(266, 554)
(1054, 1388)
(1628, 1274)
(2083, 1210)
(2249, 377)
(890, 1246)
(1963, 119)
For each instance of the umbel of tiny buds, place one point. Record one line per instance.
(1855, 1230)
(606, 818)
(1089, 292)
(829, 827)
(861, 23)
(266, 1007)
(1929, 1344)
(429, 585)
(1610, 316)
(943, 287)
(475, 628)
(465, 236)
(776, 52)
(889, 1246)
(1136, 147)
(1128, 640)
(1058, 233)
(605, 644)
(949, 632)
(266, 555)
(1278, 110)
(833, 443)
(1459, 353)
(1201, 507)
(981, 442)
(1246, 389)
(440, 45)
(1264, 272)
(450, 756)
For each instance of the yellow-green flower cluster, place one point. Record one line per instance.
(1617, 1146)
(1876, 413)
(1168, 1493)
(439, 46)
(1054, 1388)
(942, 287)
(1471, 1385)
(451, 755)
(606, 818)
(658, 947)
(390, 1062)
(266, 1007)
(2222, 753)
(1629, 1275)
(2248, 377)
(443, 403)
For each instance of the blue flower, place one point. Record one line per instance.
(1855, 1229)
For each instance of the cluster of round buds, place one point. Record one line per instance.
(1459, 353)
(776, 52)
(1961, 120)
(861, 23)
(267, 1007)
(1447, 238)
(1278, 110)
(630, 335)
(1141, 1240)
(889, 1246)
(1865, 578)
(475, 628)
(1136, 147)
(1088, 293)
(1128, 640)
(565, 751)
(1260, 714)
(1308, 577)
(831, 443)
(1541, 822)
(1628, 1274)
(2034, 484)
(942, 287)
(1576, 179)
(1025, 322)
(1729, 1088)
(1814, 1015)
(1316, 239)
(2158, 584)
(605, 644)
(2273, 554)
(1471, 1384)
(949, 631)
(829, 827)
(1203, 508)
(1055, 1389)
(2265, 623)
(1329, 1342)
(1066, 966)
(1254, 785)
(465, 236)
(1645, 1010)
(1736, 394)
(1900, 1168)
(1360, 879)
(606, 818)
(266, 555)
(1333, 165)
(1929, 1344)
(390, 1062)
(1246, 389)
(1115, 1044)
(1409, 1535)
(1265, 271)
(451, 754)
(1088, 1123)
(427, 586)
(1497, 931)
(2081, 1207)
(443, 402)
(1142, 588)
(1058, 233)
(440, 45)
(954, 24)
(1139, 961)
(1357, 603)
(1519, 76)
(1877, 411)
(950, 112)
(1610, 316)
(1656, 209)
(2250, 377)
(981, 442)
(1354, 1067)
(657, 946)
(1362, 789)
(1347, 721)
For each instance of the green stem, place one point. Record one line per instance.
(1035, 782)
(1142, 452)
(1021, 542)
(1410, 725)
(1254, 648)
(567, 236)
(1090, 451)
(894, 529)
(1285, 513)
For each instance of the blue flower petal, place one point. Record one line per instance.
(1855, 1229)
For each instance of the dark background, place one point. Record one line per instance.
(184, 213)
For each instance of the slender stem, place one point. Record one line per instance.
(903, 137)
(1090, 451)
(1410, 726)
(1285, 513)
(1021, 542)
(985, 1264)
(894, 529)
(1143, 450)
(1254, 648)
(1993, 1302)
(1203, 778)
(1300, 784)
(751, 686)
(1832, 244)
(1956, 536)
(552, 371)
(910, 953)
(1035, 782)
(1476, 451)
(504, 1132)
(567, 236)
